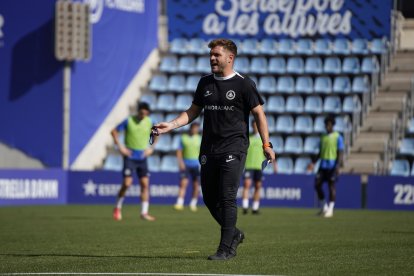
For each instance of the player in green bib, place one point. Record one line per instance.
(253, 171)
(187, 156)
(135, 151)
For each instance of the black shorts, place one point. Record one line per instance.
(140, 166)
(328, 175)
(256, 175)
(193, 172)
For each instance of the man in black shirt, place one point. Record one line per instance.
(227, 99)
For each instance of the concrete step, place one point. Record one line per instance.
(395, 85)
(402, 66)
(408, 24)
(368, 146)
(400, 76)
(364, 157)
(378, 124)
(359, 167)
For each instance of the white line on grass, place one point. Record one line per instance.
(128, 273)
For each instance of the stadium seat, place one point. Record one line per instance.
(268, 47)
(286, 84)
(313, 104)
(169, 64)
(342, 124)
(154, 163)
(304, 124)
(150, 99)
(351, 65)
(322, 85)
(301, 165)
(286, 47)
(351, 104)
(319, 124)
(304, 46)
(313, 65)
(304, 84)
(311, 145)
(294, 104)
(285, 124)
(191, 83)
(322, 47)
(176, 83)
(254, 79)
(284, 165)
(407, 146)
(370, 65)
(157, 117)
(277, 142)
(203, 65)
(176, 140)
(241, 65)
(159, 83)
(258, 65)
(400, 167)
(379, 46)
(359, 46)
(271, 123)
(410, 127)
(275, 104)
(169, 164)
(267, 85)
(165, 102)
(183, 102)
(250, 47)
(342, 85)
(113, 162)
(341, 46)
(179, 46)
(197, 46)
(332, 65)
(164, 143)
(295, 65)
(361, 85)
(332, 104)
(293, 145)
(187, 64)
(277, 65)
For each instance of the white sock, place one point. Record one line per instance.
(256, 205)
(144, 207)
(193, 202)
(119, 202)
(245, 203)
(331, 206)
(180, 201)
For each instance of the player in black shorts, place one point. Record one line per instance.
(227, 99)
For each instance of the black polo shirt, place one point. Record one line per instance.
(227, 103)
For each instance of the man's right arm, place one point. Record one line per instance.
(183, 119)
(122, 149)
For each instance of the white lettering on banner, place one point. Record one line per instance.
(28, 188)
(111, 190)
(404, 194)
(97, 7)
(283, 193)
(242, 17)
(1, 30)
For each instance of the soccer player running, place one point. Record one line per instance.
(135, 152)
(253, 171)
(187, 156)
(227, 99)
(331, 159)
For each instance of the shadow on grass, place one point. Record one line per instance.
(98, 256)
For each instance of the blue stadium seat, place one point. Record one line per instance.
(242, 65)
(150, 99)
(169, 164)
(176, 83)
(295, 65)
(294, 104)
(400, 167)
(157, 117)
(191, 83)
(332, 104)
(332, 65)
(285, 165)
(319, 124)
(304, 84)
(183, 102)
(197, 46)
(370, 65)
(351, 65)
(312, 144)
(304, 46)
(165, 102)
(176, 141)
(275, 104)
(342, 85)
(267, 85)
(159, 83)
(410, 127)
(293, 145)
(286, 84)
(271, 123)
(351, 104)
(379, 46)
(359, 46)
(285, 124)
(164, 143)
(277, 65)
(341, 46)
(250, 46)
(361, 84)
(407, 146)
(304, 124)
(313, 65)
(301, 165)
(169, 64)
(268, 47)
(187, 64)
(322, 85)
(313, 104)
(113, 162)
(277, 142)
(179, 46)
(203, 65)
(286, 47)
(154, 163)
(258, 65)
(342, 124)
(323, 47)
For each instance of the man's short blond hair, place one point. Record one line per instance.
(227, 44)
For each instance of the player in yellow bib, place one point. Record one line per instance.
(253, 170)
(135, 151)
(187, 156)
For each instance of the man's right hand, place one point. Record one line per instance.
(125, 151)
(182, 167)
(164, 127)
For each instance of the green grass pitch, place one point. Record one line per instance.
(84, 238)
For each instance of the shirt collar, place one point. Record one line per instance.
(225, 78)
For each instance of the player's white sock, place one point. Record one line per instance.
(193, 202)
(144, 207)
(256, 205)
(119, 202)
(245, 203)
(331, 206)
(180, 201)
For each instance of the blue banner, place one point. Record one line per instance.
(390, 193)
(262, 19)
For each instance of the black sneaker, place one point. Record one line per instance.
(237, 239)
(245, 211)
(255, 212)
(221, 255)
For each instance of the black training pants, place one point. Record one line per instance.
(220, 178)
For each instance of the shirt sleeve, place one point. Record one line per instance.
(340, 145)
(198, 95)
(122, 126)
(251, 95)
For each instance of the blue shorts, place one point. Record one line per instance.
(140, 166)
(256, 175)
(193, 172)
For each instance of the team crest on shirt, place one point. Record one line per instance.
(230, 95)
(203, 159)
